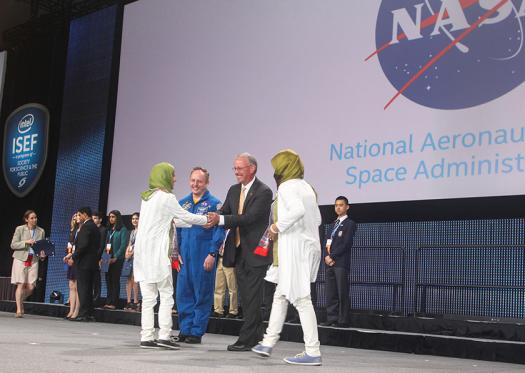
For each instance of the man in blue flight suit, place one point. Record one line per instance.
(198, 251)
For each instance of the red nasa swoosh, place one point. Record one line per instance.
(446, 49)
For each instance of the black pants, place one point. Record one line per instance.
(85, 280)
(96, 287)
(174, 274)
(113, 282)
(250, 281)
(338, 302)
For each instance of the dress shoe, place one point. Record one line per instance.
(216, 314)
(328, 323)
(231, 316)
(78, 318)
(193, 339)
(238, 347)
(180, 338)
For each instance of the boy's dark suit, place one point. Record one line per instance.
(250, 268)
(337, 295)
(86, 258)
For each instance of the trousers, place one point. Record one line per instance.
(149, 300)
(308, 319)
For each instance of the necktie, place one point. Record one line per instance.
(240, 210)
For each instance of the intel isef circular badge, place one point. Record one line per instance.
(25, 147)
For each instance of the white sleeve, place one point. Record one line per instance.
(181, 223)
(290, 207)
(175, 209)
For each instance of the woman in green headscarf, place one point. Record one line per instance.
(152, 263)
(297, 228)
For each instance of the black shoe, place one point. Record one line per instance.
(149, 344)
(239, 347)
(193, 339)
(169, 344)
(328, 323)
(231, 316)
(180, 338)
(78, 318)
(216, 314)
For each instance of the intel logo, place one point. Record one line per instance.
(26, 123)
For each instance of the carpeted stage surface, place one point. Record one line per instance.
(47, 344)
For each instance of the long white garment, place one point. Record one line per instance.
(151, 262)
(298, 220)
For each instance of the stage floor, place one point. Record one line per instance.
(47, 344)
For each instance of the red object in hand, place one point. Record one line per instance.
(29, 261)
(175, 264)
(265, 244)
(261, 251)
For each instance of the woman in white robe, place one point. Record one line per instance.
(299, 254)
(152, 263)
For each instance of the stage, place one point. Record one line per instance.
(61, 345)
(49, 344)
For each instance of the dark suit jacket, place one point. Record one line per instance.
(342, 243)
(103, 232)
(87, 246)
(252, 223)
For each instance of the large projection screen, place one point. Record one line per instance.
(385, 100)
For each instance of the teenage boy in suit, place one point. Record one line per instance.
(337, 260)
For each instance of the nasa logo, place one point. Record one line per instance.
(26, 123)
(451, 54)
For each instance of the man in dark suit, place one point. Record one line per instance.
(337, 260)
(86, 260)
(97, 219)
(246, 213)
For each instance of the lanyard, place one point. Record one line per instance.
(339, 222)
(110, 237)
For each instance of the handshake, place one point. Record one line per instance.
(213, 220)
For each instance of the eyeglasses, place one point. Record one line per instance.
(239, 168)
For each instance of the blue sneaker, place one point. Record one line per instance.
(262, 351)
(303, 359)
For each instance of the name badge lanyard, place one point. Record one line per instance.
(336, 227)
(31, 251)
(75, 241)
(108, 242)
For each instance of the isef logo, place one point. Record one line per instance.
(451, 54)
(25, 147)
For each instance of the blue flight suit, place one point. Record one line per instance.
(195, 286)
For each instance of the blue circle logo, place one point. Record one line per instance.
(451, 54)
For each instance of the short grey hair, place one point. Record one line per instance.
(250, 158)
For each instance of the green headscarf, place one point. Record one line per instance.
(287, 165)
(160, 177)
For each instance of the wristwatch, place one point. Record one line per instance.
(214, 254)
